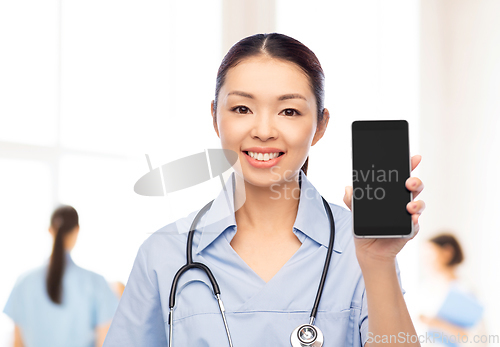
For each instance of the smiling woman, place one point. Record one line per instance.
(289, 54)
(261, 94)
(269, 255)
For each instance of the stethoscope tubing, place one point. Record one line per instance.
(190, 264)
(327, 262)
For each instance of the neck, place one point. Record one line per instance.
(448, 272)
(269, 211)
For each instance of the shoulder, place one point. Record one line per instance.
(342, 215)
(17, 303)
(29, 277)
(170, 238)
(465, 285)
(92, 277)
(27, 285)
(164, 251)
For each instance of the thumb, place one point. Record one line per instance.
(348, 196)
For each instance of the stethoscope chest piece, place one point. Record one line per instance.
(306, 335)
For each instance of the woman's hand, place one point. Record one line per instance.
(369, 251)
(427, 320)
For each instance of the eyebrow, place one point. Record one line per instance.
(282, 97)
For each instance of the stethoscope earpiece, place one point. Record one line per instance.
(306, 335)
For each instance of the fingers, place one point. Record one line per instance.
(414, 218)
(415, 207)
(348, 196)
(415, 160)
(415, 185)
(416, 226)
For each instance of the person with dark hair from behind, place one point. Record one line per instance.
(456, 312)
(60, 303)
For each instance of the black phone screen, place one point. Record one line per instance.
(381, 166)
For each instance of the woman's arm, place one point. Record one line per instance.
(100, 333)
(389, 322)
(18, 340)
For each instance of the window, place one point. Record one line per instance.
(88, 88)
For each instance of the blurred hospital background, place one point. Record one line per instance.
(87, 88)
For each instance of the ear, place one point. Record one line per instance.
(321, 127)
(214, 117)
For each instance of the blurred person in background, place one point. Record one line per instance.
(60, 303)
(453, 313)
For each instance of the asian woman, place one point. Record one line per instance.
(268, 254)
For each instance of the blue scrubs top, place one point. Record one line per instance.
(87, 301)
(258, 313)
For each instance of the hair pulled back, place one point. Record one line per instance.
(64, 219)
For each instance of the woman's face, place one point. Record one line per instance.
(437, 257)
(267, 106)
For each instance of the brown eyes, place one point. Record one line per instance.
(292, 112)
(245, 110)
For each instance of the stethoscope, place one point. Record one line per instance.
(303, 336)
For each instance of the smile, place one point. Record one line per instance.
(261, 160)
(264, 156)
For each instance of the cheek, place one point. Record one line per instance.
(298, 136)
(231, 135)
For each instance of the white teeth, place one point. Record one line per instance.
(263, 156)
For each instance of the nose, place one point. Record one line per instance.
(264, 127)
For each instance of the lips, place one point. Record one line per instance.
(255, 153)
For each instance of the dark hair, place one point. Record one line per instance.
(447, 239)
(64, 219)
(282, 47)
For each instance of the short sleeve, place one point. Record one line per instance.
(14, 307)
(138, 320)
(106, 301)
(363, 319)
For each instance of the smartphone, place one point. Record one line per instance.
(381, 165)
